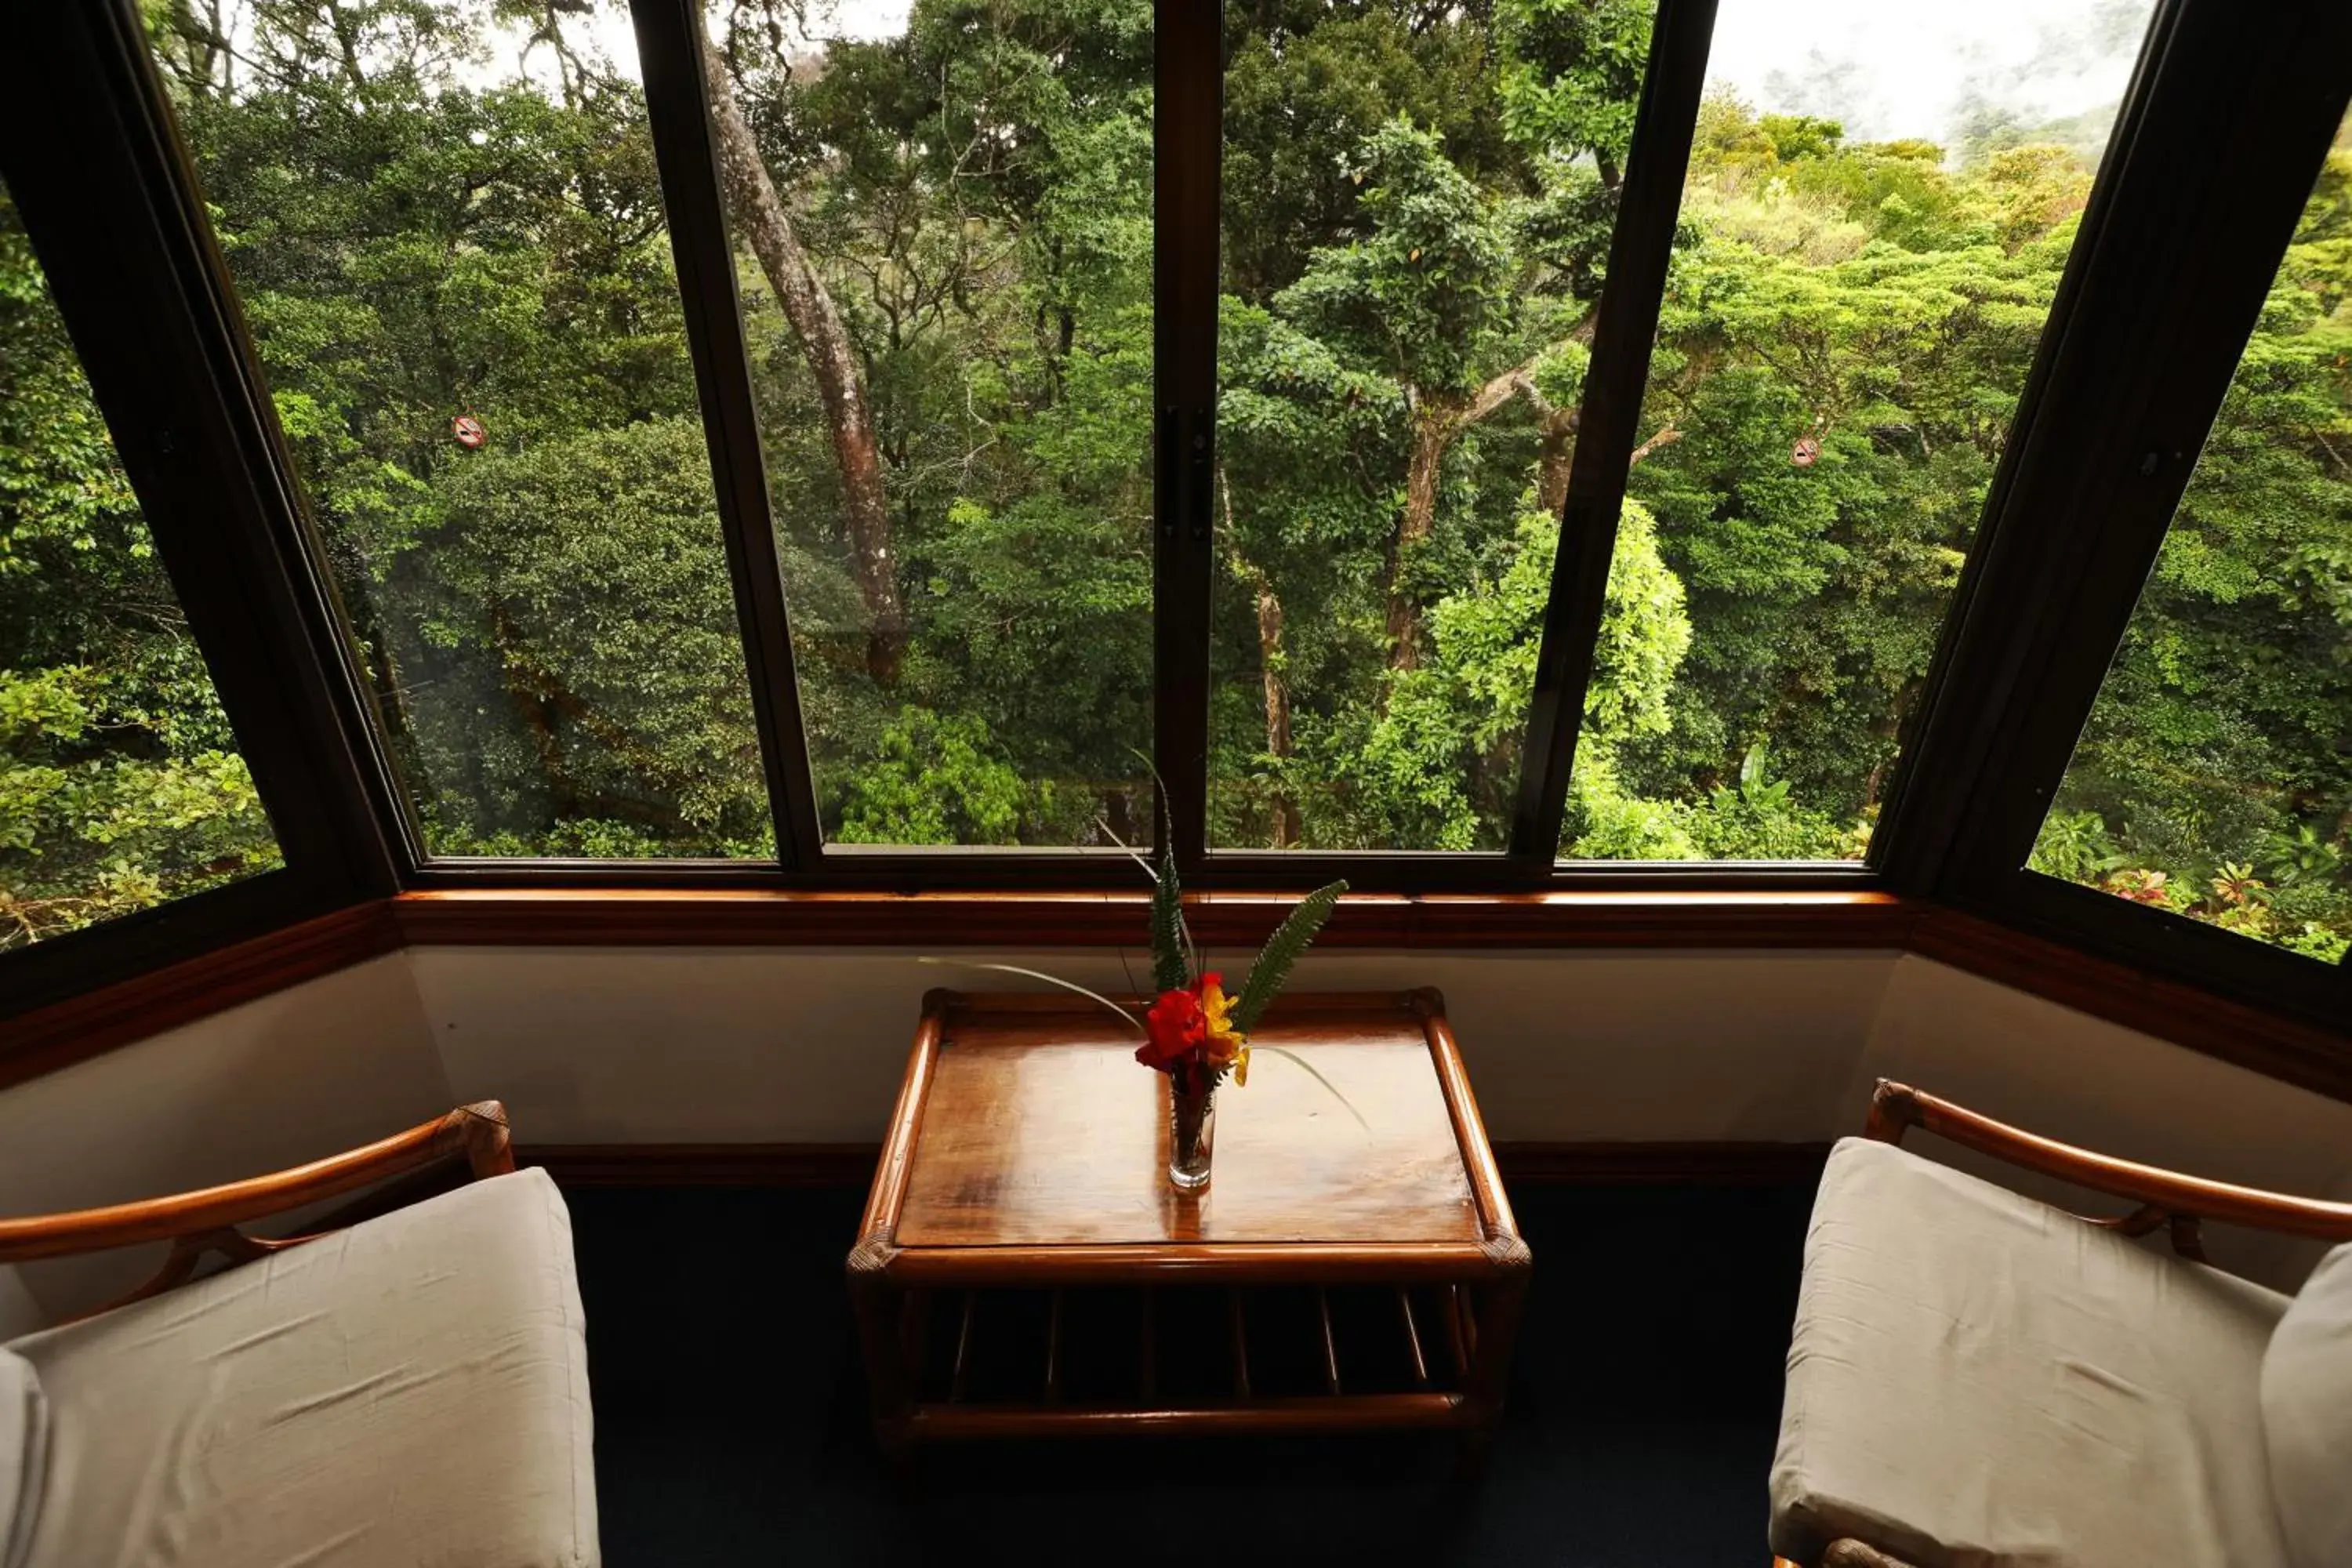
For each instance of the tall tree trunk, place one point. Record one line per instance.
(1555, 455)
(759, 217)
(1437, 422)
(1434, 425)
(1271, 665)
(1278, 702)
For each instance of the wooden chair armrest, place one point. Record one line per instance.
(1858, 1554)
(2162, 1194)
(477, 1132)
(1849, 1554)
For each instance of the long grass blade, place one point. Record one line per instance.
(1317, 1077)
(1132, 852)
(1170, 972)
(1049, 979)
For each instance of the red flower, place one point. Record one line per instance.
(1176, 1031)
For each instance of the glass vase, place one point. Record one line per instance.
(1192, 1132)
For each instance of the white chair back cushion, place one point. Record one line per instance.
(2307, 1416)
(24, 1454)
(1977, 1380)
(411, 1393)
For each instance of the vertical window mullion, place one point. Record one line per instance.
(1625, 327)
(1188, 153)
(669, 52)
(2002, 608)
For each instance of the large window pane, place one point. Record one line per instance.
(2214, 777)
(121, 785)
(443, 220)
(942, 220)
(1418, 201)
(1881, 199)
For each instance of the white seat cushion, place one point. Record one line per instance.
(23, 1454)
(2307, 1416)
(413, 1391)
(1977, 1378)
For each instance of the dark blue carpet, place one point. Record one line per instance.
(730, 1411)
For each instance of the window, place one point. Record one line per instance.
(810, 438)
(1418, 205)
(447, 235)
(448, 231)
(1880, 201)
(120, 783)
(2214, 777)
(943, 221)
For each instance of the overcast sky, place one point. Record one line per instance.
(1903, 67)
(612, 30)
(1885, 68)
(869, 19)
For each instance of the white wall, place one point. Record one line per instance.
(746, 1044)
(337, 1061)
(19, 1312)
(806, 1045)
(2084, 1080)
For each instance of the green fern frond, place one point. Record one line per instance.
(1284, 948)
(1169, 969)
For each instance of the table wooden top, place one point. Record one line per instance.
(1027, 1123)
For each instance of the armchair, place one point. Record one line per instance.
(411, 1389)
(1977, 1379)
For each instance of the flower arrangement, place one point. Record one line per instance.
(1198, 1034)
(1190, 1033)
(1195, 1031)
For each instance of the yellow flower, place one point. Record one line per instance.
(1226, 1044)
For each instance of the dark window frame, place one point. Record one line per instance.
(87, 140)
(85, 149)
(2228, 130)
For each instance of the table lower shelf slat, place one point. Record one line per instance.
(1313, 1413)
(1145, 1351)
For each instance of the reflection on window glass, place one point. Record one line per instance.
(942, 226)
(1418, 201)
(2214, 778)
(444, 223)
(1881, 198)
(120, 786)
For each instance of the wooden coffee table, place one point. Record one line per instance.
(1023, 1268)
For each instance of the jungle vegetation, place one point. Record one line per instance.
(434, 209)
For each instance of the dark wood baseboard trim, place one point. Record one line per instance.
(1692, 1165)
(851, 1165)
(96, 1022)
(704, 1165)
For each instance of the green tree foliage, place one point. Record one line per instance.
(420, 228)
(2215, 775)
(1882, 307)
(586, 559)
(976, 195)
(944, 253)
(121, 785)
(1397, 391)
